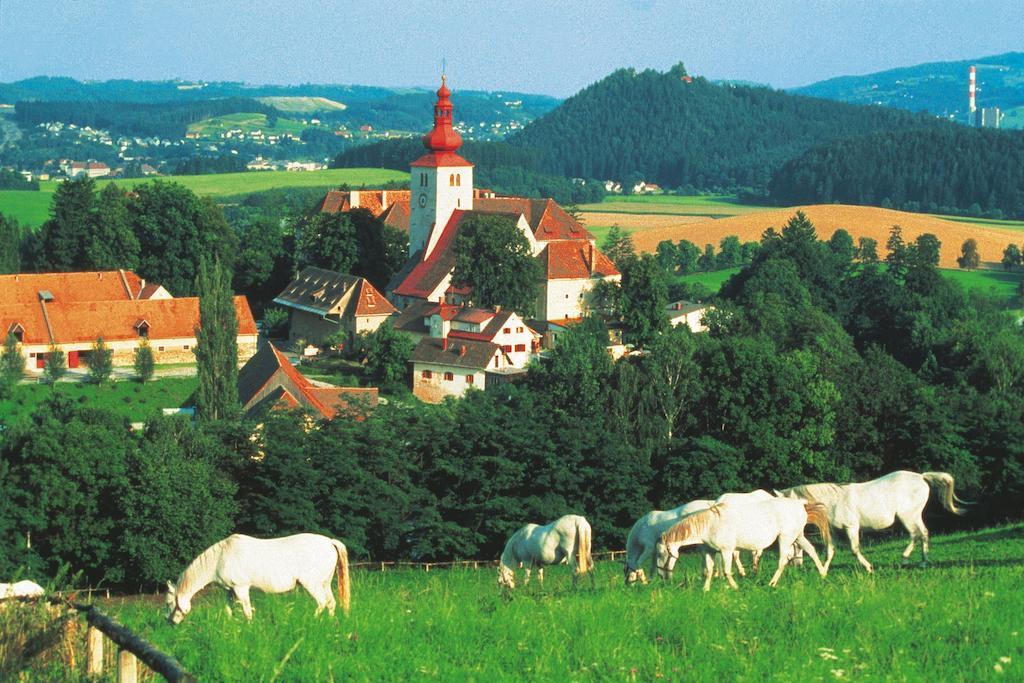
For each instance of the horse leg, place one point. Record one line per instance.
(230, 595)
(785, 550)
(755, 561)
(243, 597)
(709, 569)
(803, 544)
(527, 579)
(854, 534)
(739, 563)
(540, 575)
(727, 563)
(916, 528)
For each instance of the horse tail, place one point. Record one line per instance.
(344, 581)
(582, 545)
(817, 514)
(942, 482)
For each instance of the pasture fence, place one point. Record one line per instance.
(463, 564)
(131, 650)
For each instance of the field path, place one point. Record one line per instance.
(859, 221)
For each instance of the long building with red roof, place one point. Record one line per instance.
(72, 310)
(443, 198)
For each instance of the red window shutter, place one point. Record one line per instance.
(507, 348)
(469, 379)
(427, 374)
(448, 376)
(520, 347)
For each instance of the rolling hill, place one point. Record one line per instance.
(677, 130)
(936, 87)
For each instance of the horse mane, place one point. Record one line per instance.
(691, 525)
(813, 491)
(200, 567)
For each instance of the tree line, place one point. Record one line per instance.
(820, 363)
(949, 170)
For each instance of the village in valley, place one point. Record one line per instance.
(497, 343)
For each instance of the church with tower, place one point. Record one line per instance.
(442, 196)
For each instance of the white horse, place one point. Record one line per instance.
(567, 539)
(730, 527)
(642, 543)
(21, 589)
(878, 503)
(755, 496)
(272, 565)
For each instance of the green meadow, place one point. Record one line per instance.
(134, 401)
(32, 208)
(247, 123)
(961, 619)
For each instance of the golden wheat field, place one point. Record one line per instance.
(859, 221)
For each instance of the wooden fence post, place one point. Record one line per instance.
(94, 651)
(127, 667)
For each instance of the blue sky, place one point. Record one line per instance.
(548, 47)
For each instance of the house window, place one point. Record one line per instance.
(469, 379)
(519, 329)
(449, 376)
(566, 296)
(496, 361)
(159, 348)
(507, 330)
(185, 347)
(32, 355)
(521, 347)
(507, 348)
(426, 374)
(144, 331)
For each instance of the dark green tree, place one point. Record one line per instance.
(386, 353)
(143, 361)
(328, 240)
(707, 262)
(1012, 257)
(10, 245)
(668, 256)
(101, 362)
(111, 242)
(216, 344)
(969, 257)
(12, 365)
(494, 258)
(841, 245)
(618, 246)
(730, 252)
(63, 237)
(644, 300)
(689, 255)
(898, 255)
(175, 229)
(56, 365)
(867, 250)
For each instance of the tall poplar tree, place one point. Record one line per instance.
(216, 344)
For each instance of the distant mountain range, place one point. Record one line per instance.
(937, 87)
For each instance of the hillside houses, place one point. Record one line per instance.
(71, 310)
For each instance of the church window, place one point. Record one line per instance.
(451, 180)
(458, 180)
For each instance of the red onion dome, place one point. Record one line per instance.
(443, 137)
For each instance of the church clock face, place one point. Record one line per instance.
(423, 201)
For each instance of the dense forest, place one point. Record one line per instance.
(164, 119)
(676, 130)
(815, 367)
(500, 166)
(949, 170)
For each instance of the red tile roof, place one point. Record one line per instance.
(79, 322)
(426, 275)
(571, 259)
(436, 159)
(546, 218)
(397, 215)
(106, 285)
(391, 206)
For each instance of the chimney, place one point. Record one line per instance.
(444, 343)
(497, 308)
(971, 88)
(462, 350)
(679, 305)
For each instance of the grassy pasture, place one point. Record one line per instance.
(131, 400)
(960, 619)
(31, 208)
(247, 122)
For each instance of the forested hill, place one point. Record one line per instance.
(937, 87)
(676, 130)
(948, 170)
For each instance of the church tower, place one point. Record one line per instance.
(441, 181)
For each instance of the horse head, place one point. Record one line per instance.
(177, 606)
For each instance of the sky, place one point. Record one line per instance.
(555, 47)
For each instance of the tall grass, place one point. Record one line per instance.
(960, 619)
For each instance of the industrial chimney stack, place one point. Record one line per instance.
(970, 92)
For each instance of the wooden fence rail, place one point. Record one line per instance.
(131, 650)
(465, 564)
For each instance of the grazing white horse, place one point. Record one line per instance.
(729, 527)
(642, 543)
(755, 496)
(878, 503)
(21, 589)
(272, 565)
(567, 539)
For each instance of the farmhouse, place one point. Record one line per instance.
(92, 169)
(71, 310)
(323, 303)
(687, 313)
(268, 381)
(443, 198)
